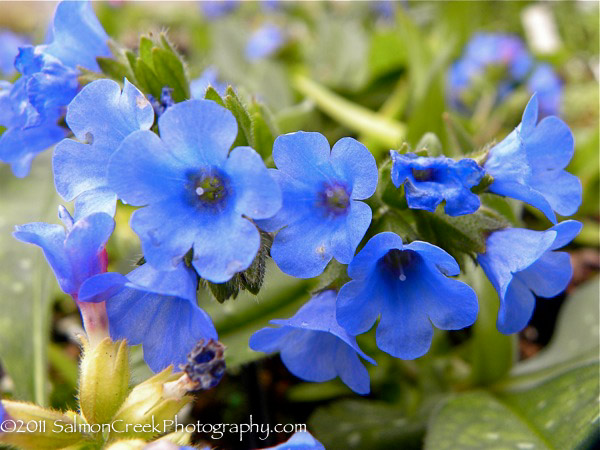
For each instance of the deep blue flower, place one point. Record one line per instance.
(100, 116)
(314, 347)
(483, 51)
(549, 88)
(210, 77)
(264, 42)
(9, 48)
(213, 9)
(407, 285)
(155, 309)
(321, 217)
(521, 263)
(429, 181)
(205, 365)
(529, 165)
(198, 193)
(75, 253)
(301, 440)
(33, 105)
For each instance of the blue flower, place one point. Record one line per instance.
(483, 51)
(213, 9)
(153, 308)
(321, 217)
(264, 42)
(429, 181)
(301, 440)
(3, 415)
(210, 77)
(9, 48)
(549, 88)
(100, 116)
(75, 253)
(34, 104)
(529, 165)
(521, 263)
(198, 193)
(407, 285)
(314, 347)
(165, 101)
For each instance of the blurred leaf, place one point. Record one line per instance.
(316, 392)
(358, 119)
(575, 340)
(26, 282)
(114, 69)
(338, 56)
(387, 52)
(561, 413)
(363, 424)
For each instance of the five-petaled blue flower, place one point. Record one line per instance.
(264, 42)
(100, 116)
(75, 253)
(521, 263)
(153, 308)
(9, 48)
(549, 88)
(529, 165)
(300, 440)
(198, 193)
(32, 106)
(314, 347)
(321, 217)
(429, 181)
(407, 285)
(213, 9)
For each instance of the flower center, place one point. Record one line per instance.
(398, 262)
(422, 174)
(335, 199)
(209, 188)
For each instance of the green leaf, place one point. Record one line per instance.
(387, 53)
(26, 281)
(575, 340)
(252, 278)
(171, 72)
(145, 51)
(224, 291)
(263, 129)
(233, 104)
(382, 129)
(460, 235)
(362, 424)
(146, 78)
(114, 69)
(212, 94)
(560, 413)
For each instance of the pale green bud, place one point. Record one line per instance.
(147, 406)
(32, 427)
(104, 380)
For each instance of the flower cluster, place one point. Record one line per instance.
(204, 203)
(504, 58)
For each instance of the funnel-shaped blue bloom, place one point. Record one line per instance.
(408, 287)
(429, 181)
(100, 116)
(32, 106)
(321, 217)
(75, 253)
(529, 165)
(314, 347)
(521, 263)
(155, 309)
(301, 440)
(198, 194)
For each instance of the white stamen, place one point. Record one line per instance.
(199, 191)
(402, 276)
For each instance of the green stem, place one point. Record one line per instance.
(388, 132)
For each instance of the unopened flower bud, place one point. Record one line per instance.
(104, 380)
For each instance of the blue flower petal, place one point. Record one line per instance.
(301, 440)
(199, 132)
(259, 196)
(350, 231)
(264, 42)
(356, 165)
(9, 48)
